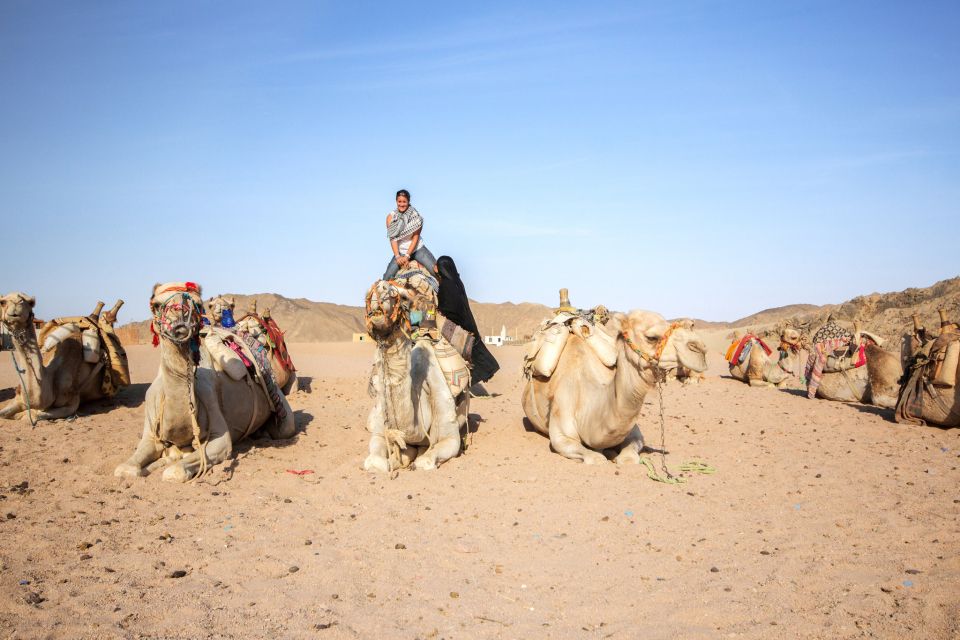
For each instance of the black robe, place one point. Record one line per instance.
(455, 306)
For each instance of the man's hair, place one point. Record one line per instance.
(405, 193)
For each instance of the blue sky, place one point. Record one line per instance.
(695, 158)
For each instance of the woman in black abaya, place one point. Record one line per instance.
(455, 306)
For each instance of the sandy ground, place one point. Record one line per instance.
(823, 520)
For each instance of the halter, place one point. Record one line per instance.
(371, 313)
(661, 345)
(186, 311)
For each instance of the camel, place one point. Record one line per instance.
(61, 376)
(196, 410)
(586, 407)
(930, 394)
(220, 311)
(759, 369)
(264, 329)
(682, 374)
(863, 373)
(415, 419)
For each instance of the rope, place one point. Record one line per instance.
(198, 446)
(693, 466)
(26, 394)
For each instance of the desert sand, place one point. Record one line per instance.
(823, 520)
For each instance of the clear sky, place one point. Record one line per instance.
(708, 159)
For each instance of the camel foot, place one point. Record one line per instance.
(175, 473)
(376, 463)
(628, 456)
(592, 457)
(760, 383)
(127, 470)
(425, 463)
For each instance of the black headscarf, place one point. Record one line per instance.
(455, 306)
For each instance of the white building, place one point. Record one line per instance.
(498, 340)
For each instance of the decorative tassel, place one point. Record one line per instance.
(156, 338)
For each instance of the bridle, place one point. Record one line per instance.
(653, 361)
(374, 304)
(179, 309)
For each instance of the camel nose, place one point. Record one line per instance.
(181, 332)
(697, 347)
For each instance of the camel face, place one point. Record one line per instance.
(216, 306)
(791, 338)
(382, 308)
(177, 316)
(669, 345)
(16, 310)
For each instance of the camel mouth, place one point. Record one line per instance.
(697, 347)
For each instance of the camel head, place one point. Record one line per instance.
(217, 306)
(177, 312)
(16, 310)
(384, 308)
(790, 339)
(652, 341)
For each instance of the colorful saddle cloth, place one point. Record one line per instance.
(739, 351)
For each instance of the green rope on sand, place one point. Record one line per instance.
(694, 466)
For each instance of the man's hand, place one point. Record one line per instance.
(403, 261)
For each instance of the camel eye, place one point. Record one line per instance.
(653, 339)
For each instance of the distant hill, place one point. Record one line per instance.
(308, 321)
(888, 314)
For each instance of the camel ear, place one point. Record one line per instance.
(30, 300)
(617, 322)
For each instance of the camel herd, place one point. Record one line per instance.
(586, 375)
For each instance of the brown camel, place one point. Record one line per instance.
(930, 394)
(81, 360)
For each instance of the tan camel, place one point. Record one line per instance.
(875, 381)
(61, 376)
(217, 306)
(930, 394)
(586, 407)
(196, 409)
(415, 417)
(264, 329)
(762, 370)
(683, 374)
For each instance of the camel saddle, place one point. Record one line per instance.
(551, 337)
(935, 366)
(113, 357)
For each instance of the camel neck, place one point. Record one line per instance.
(630, 385)
(30, 362)
(176, 361)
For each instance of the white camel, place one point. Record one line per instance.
(415, 417)
(586, 407)
(194, 410)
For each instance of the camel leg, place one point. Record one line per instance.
(630, 453)
(445, 421)
(378, 459)
(286, 429)
(12, 408)
(566, 441)
(148, 450)
(59, 413)
(756, 382)
(218, 448)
